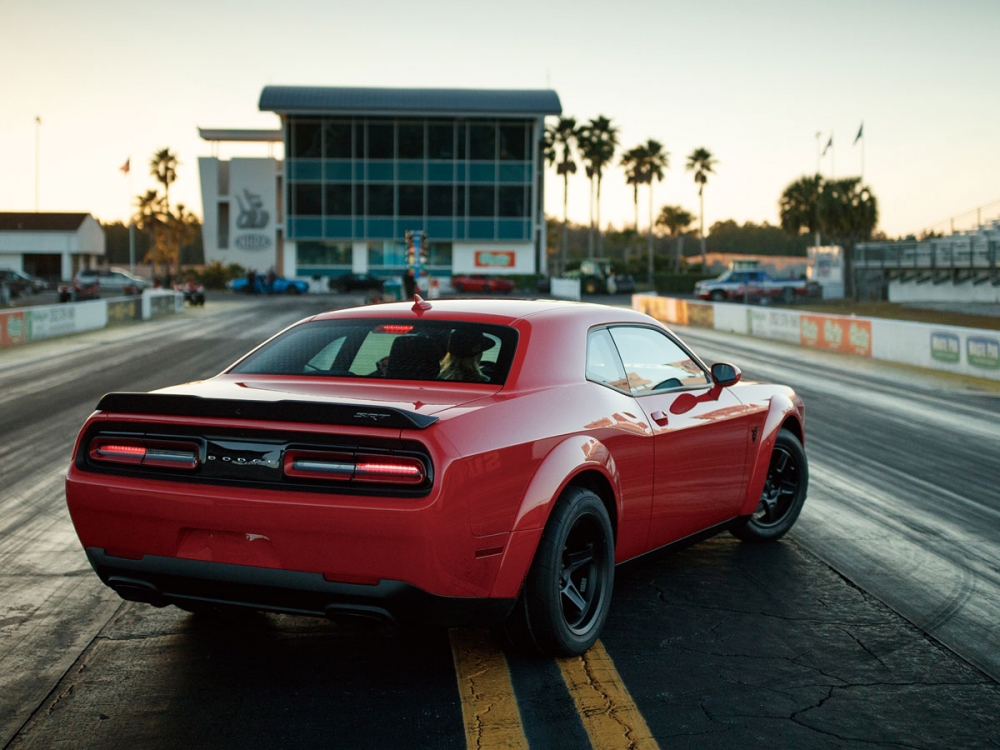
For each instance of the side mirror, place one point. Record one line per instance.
(726, 375)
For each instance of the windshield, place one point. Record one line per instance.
(395, 350)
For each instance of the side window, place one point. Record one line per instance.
(322, 361)
(603, 364)
(655, 362)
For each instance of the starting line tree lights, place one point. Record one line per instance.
(416, 251)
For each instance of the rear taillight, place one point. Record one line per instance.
(355, 468)
(160, 454)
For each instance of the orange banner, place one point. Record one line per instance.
(850, 335)
(12, 328)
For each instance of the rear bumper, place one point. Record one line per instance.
(165, 580)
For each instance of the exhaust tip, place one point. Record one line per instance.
(133, 590)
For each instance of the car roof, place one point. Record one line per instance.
(497, 311)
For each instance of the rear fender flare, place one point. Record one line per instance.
(568, 459)
(780, 410)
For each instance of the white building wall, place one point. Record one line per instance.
(89, 239)
(208, 173)
(253, 213)
(359, 257)
(493, 257)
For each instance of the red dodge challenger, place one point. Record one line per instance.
(455, 462)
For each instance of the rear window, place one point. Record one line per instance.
(389, 349)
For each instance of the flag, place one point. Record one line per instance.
(861, 132)
(829, 144)
(125, 167)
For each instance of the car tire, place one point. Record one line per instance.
(590, 287)
(566, 595)
(717, 296)
(788, 296)
(459, 288)
(784, 493)
(293, 290)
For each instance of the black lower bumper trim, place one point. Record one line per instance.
(167, 580)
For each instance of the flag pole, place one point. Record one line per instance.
(127, 169)
(861, 137)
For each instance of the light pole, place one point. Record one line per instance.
(38, 130)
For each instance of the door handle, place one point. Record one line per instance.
(660, 418)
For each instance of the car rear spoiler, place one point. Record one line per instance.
(311, 412)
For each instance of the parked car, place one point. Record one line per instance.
(113, 282)
(21, 283)
(352, 282)
(280, 285)
(481, 283)
(751, 285)
(194, 293)
(353, 464)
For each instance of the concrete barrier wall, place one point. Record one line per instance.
(26, 324)
(965, 351)
(565, 289)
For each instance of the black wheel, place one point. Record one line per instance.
(590, 286)
(293, 290)
(718, 296)
(787, 296)
(784, 493)
(566, 596)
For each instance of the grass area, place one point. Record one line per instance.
(896, 311)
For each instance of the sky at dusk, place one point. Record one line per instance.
(752, 82)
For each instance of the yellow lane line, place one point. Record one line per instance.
(489, 708)
(607, 710)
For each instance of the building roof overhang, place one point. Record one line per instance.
(388, 102)
(228, 134)
(41, 222)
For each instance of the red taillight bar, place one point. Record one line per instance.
(159, 454)
(346, 467)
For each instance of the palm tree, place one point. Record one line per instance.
(675, 220)
(163, 167)
(148, 218)
(798, 206)
(848, 214)
(633, 162)
(701, 162)
(598, 141)
(185, 227)
(559, 142)
(656, 160)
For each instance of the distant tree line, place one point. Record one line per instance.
(117, 245)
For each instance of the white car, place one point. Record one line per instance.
(114, 281)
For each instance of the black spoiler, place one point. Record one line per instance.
(311, 412)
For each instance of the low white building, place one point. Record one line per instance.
(52, 246)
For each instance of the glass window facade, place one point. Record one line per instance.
(372, 179)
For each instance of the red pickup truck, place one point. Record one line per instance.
(751, 285)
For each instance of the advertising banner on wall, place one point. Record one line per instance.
(850, 335)
(253, 201)
(12, 328)
(495, 259)
(773, 324)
